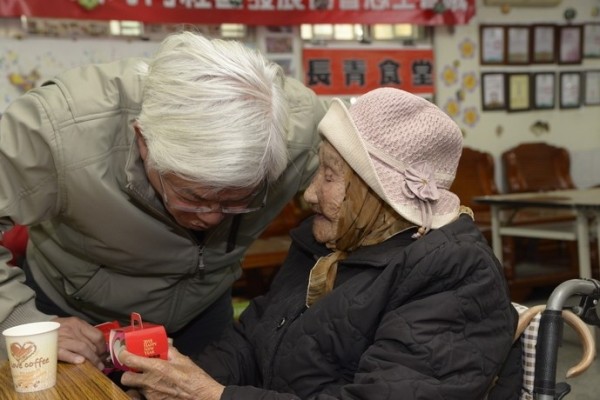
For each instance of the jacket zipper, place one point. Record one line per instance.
(285, 325)
(200, 245)
(200, 271)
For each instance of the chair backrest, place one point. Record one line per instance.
(537, 166)
(271, 248)
(474, 177)
(289, 218)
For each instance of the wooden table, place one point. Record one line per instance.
(584, 202)
(73, 382)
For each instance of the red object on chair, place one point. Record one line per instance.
(16, 241)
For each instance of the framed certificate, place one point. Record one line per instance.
(491, 39)
(591, 91)
(544, 89)
(517, 44)
(493, 89)
(591, 40)
(570, 89)
(570, 44)
(543, 44)
(518, 92)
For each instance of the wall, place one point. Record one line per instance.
(576, 129)
(29, 61)
(26, 63)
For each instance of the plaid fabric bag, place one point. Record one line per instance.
(528, 340)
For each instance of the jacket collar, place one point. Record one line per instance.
(136, 179)
(377, 256)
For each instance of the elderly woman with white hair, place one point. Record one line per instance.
(388, 292)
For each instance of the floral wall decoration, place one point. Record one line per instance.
(467, 48)
(462, 79)
(449, 75)
(24, 82)
(452, 107)
(27, 63)
(471, 116)
(470, 81)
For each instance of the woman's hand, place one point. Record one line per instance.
(177, 378)
(78, 341)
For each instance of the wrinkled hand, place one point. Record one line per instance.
(78, 341)
(177, 378)
(134, 394)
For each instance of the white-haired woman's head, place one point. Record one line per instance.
(214, 112)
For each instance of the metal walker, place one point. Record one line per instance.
(550, 333)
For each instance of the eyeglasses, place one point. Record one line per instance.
(251, 203)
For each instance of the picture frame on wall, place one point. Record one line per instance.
(518, 89)
(543, 44)
(570, 89)
(591, 88)
(493, 88)
(591, 40)
(279, 44)
(543, 91)
(492, 42)
(517, 44)
(570, 44)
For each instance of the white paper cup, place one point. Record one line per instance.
(32, 355)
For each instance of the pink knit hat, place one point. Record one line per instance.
(404, 147)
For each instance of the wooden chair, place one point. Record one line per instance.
(538, 167)
(267, 253)
(475, 177)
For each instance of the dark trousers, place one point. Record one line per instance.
(192, 338)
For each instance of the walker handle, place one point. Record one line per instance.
(546, 353)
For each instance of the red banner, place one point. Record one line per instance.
(357, 71)
(250, 12)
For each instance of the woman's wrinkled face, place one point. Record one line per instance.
(326, 193)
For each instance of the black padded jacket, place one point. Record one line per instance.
(408, 319)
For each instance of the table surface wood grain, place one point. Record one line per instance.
(73, 382)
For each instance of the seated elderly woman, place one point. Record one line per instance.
(388, 292)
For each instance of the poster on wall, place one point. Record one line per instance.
(250, 12)
(491, 38)
(591, 40)
(543, 43)
(518, 91)
(280, 45)
(517, 44)
(570, 44)
(544, 88)
(493, 91)
(354, 71)
(570, 89)
(591, 93)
